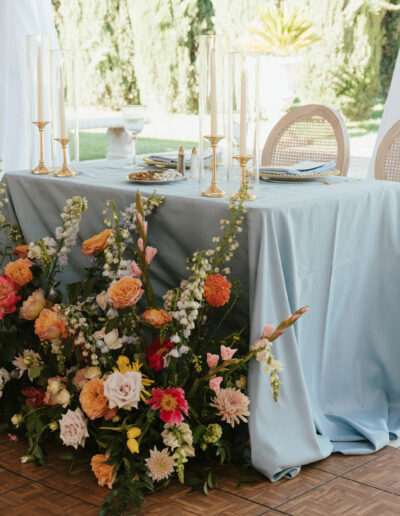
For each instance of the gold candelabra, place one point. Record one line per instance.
(64, 171)
(214, 190)
(243, 193)
(41, 168)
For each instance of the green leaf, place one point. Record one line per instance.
(67, 456)
(35, 372)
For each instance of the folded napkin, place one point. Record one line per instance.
(302, 168)
(173, 157)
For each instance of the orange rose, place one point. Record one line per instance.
(157, 318)
(32, 307)
(92, 399)
(96, 243)
(217, 290)
(19, 271)
(21, 251)
(103, 472)
(49, 326)
(125, 292)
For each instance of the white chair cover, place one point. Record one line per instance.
(17, 19)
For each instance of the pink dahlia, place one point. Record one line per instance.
(8, 296)
(172, 403)
(232, 405)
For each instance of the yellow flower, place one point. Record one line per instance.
(133, 445)
(134, 432)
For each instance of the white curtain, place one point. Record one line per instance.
(17, 19)
(391, 114)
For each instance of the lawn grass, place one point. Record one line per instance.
(94, 145)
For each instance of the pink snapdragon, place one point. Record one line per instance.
(150, 253)
(227, 353)
(215, 383)
(212, 360)
(135, 269)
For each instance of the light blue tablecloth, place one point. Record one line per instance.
(336, 248)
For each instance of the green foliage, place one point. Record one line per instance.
(391, 46)
(166, 38)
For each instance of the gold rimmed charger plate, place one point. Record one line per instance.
(288, 178)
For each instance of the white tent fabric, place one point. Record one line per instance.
(17, 19)
(391, 114)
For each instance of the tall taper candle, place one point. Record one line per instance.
(40, 117)
(243, 112)
(213, 90)
(63, 127)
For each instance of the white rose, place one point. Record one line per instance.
(123, 390)
(112, 340)
(102, 300)
(73, 428)
(53, 385)
(63, 398)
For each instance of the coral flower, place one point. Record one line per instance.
(103, 472)
(217, 290)
(32, 306)
(96, 243)
(20, 271)
(157, 351)
(171, 401)
(232, 405)
(125, 292)
(8, 296)
(92, 399)
(49, 326)
(21, 251)
(157, 318)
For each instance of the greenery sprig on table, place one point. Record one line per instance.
(143, 388)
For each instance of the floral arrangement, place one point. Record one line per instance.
(143, 384)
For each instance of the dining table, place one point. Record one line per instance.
(333, 245)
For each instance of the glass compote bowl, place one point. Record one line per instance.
(134, 122)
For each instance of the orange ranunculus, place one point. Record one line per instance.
(125, 292)
(103, 472)
(96, 243)
(32, 306)
(49, 326)
(157, 318)
(92, 399)
(21, 251)
(20, 271)
(217, 290)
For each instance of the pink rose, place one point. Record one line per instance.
(123, 390)
(32, 306)
(80, 378)
(268, 331)
(215, 383)
(73, 428)
(8, 296)
(150, 254)
(135, 269)
(227, 353)
(212, 360)
(140, 244)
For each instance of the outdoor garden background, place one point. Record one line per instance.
(131, 51)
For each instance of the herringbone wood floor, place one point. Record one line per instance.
(367, 485)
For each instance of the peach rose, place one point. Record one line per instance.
(125, 292)
(21, 251)
(32, 306)
(92, 399)
(157, 318)
(96, 243)
(20, 271)
(103, 472)
(49, 326)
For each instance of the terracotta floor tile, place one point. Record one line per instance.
(338, 464)
(344, 497)
(10, 481)
(178, 500)
(36, 500)
(383, 473)
(272, 494)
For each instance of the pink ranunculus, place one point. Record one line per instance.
(268, 331)
(73, 428)
(8, 296)
(172, 403)
(135, 269)
(215, 383)
(140, 244)
(227, 353)
(150, 254)
(212, 360)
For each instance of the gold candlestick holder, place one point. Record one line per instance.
(243, 193)
(41, 168)
(214, 190)
(64, 171)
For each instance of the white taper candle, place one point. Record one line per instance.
(63, 126)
